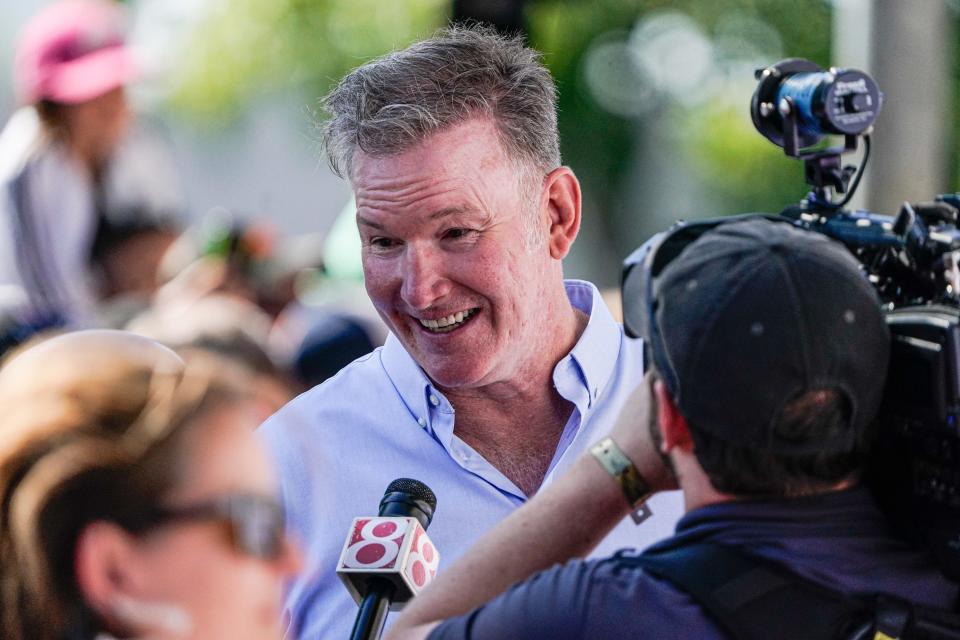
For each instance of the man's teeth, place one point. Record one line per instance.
(449, 322)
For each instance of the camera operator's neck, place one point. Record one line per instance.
(698, 491)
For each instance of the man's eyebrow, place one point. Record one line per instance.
(436, 215)
(368, 222)
(449, 211)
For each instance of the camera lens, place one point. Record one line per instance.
(840, 102)
(817, 101)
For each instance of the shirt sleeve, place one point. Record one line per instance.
(531, 609)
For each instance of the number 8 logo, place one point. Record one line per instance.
(423, 561)
(377, 546)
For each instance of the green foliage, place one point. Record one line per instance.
(249, 48)
(740, 169)
(245, 49)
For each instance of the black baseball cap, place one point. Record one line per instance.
(743, 315)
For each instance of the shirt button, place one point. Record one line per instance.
(434, 400)
(421, 422)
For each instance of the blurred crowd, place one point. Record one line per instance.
(94, 234)
(224, 323)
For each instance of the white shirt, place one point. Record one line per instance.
(47, 224)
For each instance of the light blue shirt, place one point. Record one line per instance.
(339, 445)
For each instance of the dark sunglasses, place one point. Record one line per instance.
(256, 521)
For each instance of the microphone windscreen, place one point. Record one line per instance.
(407, 497)
(416, 489)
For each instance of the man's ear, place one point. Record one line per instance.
(102, 564)
(561, 197)
(674, 431)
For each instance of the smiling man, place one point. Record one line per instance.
(497, 373)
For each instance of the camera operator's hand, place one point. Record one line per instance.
(637, 434)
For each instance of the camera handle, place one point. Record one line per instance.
(823, 170)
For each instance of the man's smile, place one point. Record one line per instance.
(449, 322)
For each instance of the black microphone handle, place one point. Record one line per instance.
(402, 505)
(373, 610)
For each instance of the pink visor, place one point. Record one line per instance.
(72, 52)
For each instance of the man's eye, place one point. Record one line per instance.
(382, 243)
(457, 234)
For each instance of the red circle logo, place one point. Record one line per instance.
(428, 552)
(385, 529)
(370, 553)
(419, 574)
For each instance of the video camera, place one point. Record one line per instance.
(913, 260)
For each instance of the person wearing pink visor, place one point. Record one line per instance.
(70, 69)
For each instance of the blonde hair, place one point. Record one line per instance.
(92, 429)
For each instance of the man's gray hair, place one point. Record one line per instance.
(394, 102)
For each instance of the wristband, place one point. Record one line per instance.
(635, 489)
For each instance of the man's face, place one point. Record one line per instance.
(446, 256)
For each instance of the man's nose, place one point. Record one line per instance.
(424, 278)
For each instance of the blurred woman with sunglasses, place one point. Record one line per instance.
(134, 499)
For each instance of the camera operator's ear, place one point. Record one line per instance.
(561, 199)
(674, 431)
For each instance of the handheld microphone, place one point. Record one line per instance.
(388, 559)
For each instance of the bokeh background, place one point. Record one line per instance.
(654, 100)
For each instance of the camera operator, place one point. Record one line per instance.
(769, 355)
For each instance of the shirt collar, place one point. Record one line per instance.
(408, 378)
(595, 356)
(595, 353)
(849, 511)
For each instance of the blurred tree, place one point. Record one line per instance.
(738, 169)
(245, 49)
(507, 16)
(741, 170)
(249, 48)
